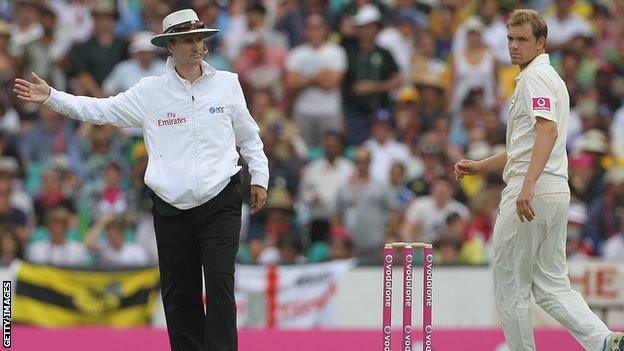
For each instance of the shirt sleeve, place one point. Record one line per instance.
(338, 60)
(126, 109)
(540, 98)
(248, 139)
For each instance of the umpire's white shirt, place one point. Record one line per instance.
(539, 92)
(191, 131)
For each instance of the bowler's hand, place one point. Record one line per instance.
(466, 167)
(257, 198)
(37, 91)
(524, 203)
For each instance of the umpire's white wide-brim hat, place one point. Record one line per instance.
(182, 22)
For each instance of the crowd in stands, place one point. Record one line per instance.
(363, 106)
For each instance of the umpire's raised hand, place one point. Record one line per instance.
(37, 91)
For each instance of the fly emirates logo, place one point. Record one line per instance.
(170, 120)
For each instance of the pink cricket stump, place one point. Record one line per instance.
(407, 297)
(387, 298)
(427, 297)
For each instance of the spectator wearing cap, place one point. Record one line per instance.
(365, 207)
(371, 75)
(494, 31)
(384, 149)
(577, 220)
(58, 249)
(143, 63)
(115, 250)
(347, 21)
(474, 67)
(314, 75)
(27, 27)
(564, 25)
(95, 59)
(603, 221)
(321, 180)
(47, 54)
(399, 40)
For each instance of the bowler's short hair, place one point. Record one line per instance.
(522, 16)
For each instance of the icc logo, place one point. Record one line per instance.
(218, 109)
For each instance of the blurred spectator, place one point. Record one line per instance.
(494, 31)
(443, 25)
(474, 67)
(469, 118)
(349, 16)
(424, 61)
(252, 251)
(278, 219)
(290, 249)
(603, 221)
(586, 177)
(564, 25)
(111, 198)
(58, 249)
(606, 30)
(12, 217)
(614, 246)
(577, 220)
(252, 21)
(260, 66)
(429, 163)
(271, 119)
(321, 181)
(143, 63)
(384, 149)
(447, 250)
(293, 21)
(472, 247)
(11, 248)
(51, 196)
(95, 59)
(432, 91)
(115, 251)
(9, 119)
(314, 74)
(9, 182)
(425, 217)
(340, 244)
(46, 55)
(7, 60)
(50, 135)
(27, 27)
(365, 208)
(75, 19)
(399, 40)
(371, 75)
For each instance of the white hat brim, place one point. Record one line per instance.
(161, 39)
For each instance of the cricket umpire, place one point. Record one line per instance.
(193, 119)
(531, 228)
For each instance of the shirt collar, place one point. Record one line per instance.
(207, 70)
(538, 60)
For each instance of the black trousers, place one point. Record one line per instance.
(205, 236)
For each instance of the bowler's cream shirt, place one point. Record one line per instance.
(539, 92)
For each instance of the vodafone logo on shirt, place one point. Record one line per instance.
(541, 104)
